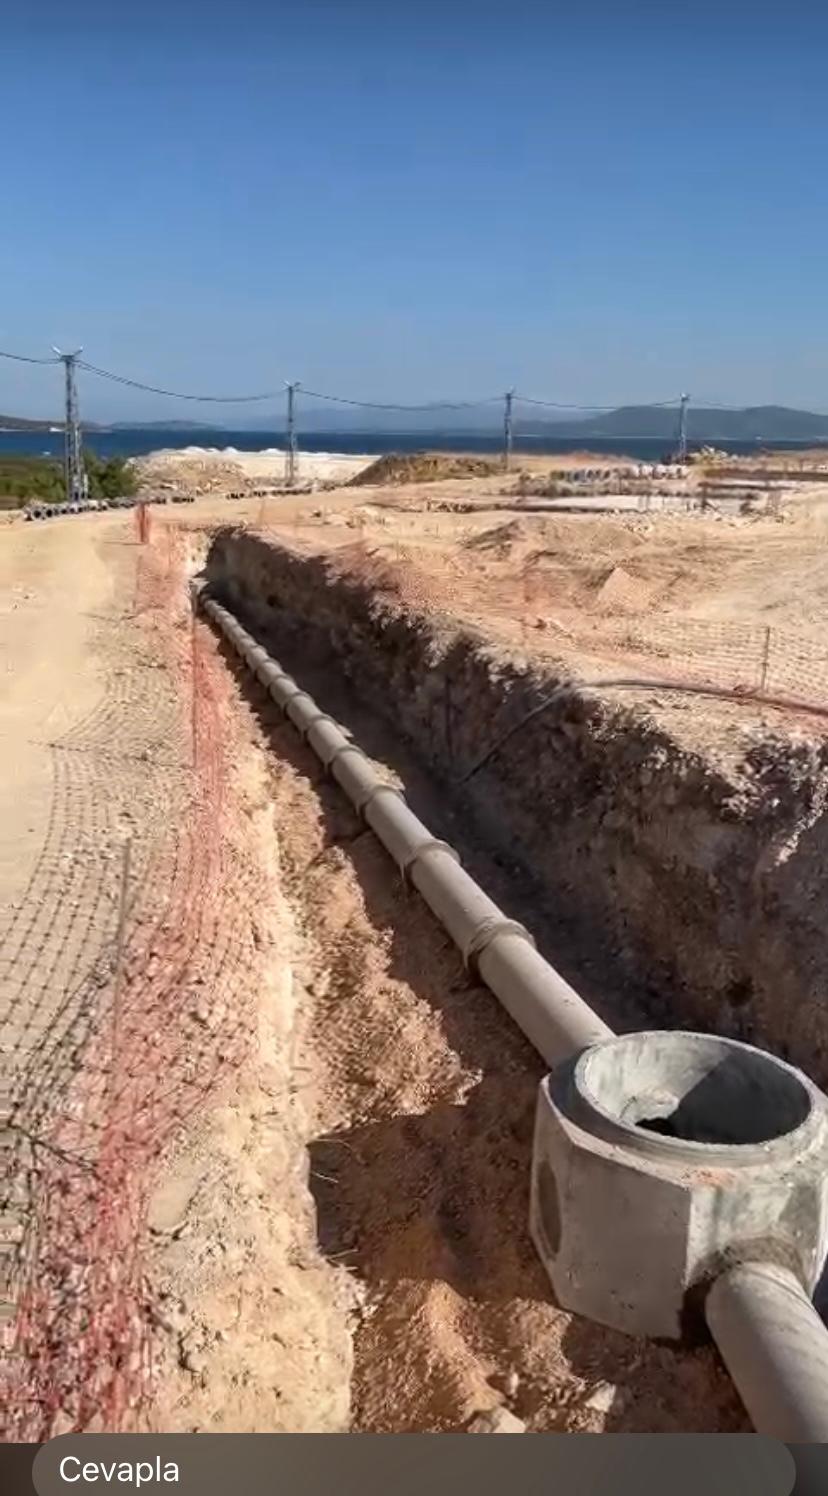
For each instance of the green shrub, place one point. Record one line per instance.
(109, 477)
(25, 478)
(29, 479)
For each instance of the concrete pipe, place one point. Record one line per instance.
(775, 1347)
(551, 1014)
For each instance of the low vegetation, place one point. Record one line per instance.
(27, 479)
(110, 477)
(24, 478)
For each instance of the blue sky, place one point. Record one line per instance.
(412, 201)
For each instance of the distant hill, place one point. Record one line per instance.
(759, 423)
(755, 423)
(25, 423)
(160, 426)
(22, 423)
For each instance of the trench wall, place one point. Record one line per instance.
(705, 888)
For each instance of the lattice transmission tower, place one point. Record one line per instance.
(681, 446)
(73, 468)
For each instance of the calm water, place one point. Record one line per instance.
(136, 442)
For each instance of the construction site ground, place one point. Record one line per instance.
(604, 595)
(309, 1130)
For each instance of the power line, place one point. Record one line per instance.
(152, 389)
(385, 405)
(508, 400)
(681, 450)
(74, 468)
(718, 405)
(23, 358)
(558, 405)
(290, 446)
(425, 407)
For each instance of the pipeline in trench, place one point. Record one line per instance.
(789, 1403)
(420, 1170)
(237, 581)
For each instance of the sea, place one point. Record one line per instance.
(136, 441)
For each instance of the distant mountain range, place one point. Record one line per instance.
(20, 423)
(759, 423)
(160, 426)
(754, 423)
(23, 423)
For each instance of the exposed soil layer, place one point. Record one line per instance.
(698, 883)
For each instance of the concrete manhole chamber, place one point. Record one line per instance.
(662, 1159)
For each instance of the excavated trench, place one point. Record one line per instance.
(662, 889)
(669, 888)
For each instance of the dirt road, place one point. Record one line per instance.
(271, 1146)
(51, 586)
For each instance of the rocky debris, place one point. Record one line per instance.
(496, 1421)
(602, 1398)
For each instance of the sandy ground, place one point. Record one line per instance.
(43, 627)
(731, 602)
(325, 1225)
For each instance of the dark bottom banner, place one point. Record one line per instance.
(413, 1465)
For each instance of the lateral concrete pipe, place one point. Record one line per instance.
(775, 1347)
(551, 1014)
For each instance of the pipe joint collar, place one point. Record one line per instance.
(432, 845)
(321, 717)
(340, 753)
(292, 695)
(483, 935)
(373, 794)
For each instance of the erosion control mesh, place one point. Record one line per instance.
(126, 971)
(605, 623)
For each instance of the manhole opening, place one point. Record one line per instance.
(682, 1123)
(697, 1088)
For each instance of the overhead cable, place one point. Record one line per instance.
(386, 405)
(152, 389)
(23, 358)
(558, 405)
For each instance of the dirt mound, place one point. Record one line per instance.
(500, 539)
(620, 592)
(424, 467)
